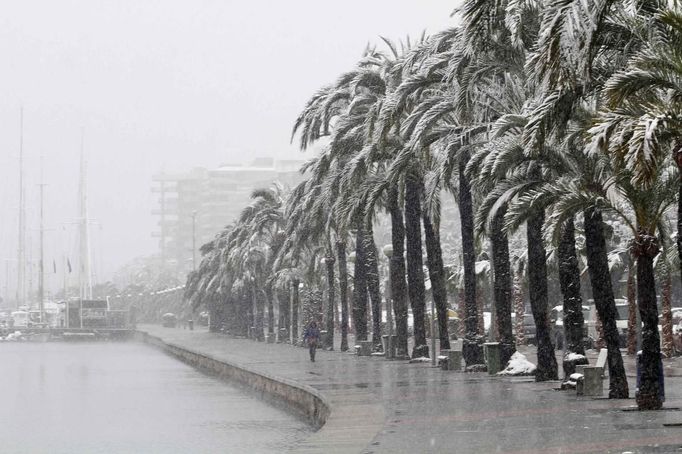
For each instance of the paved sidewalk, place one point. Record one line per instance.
(381, 406)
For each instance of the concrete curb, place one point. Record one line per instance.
(302, 399)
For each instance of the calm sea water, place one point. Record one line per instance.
(127, 398)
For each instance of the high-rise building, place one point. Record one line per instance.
(194, 206)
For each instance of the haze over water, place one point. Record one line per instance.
(127, 398)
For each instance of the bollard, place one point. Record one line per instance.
(491, 352)
(591, 382)
(364, 348)
(443, 361)
(453, 361)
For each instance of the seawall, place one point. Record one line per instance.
(303, 400)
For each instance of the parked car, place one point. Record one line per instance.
(169, 320)
(622, 321)
(529, 329)
(556, 323)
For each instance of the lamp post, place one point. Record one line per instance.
(388, 252)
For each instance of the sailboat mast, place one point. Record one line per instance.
(21, 246)
(41, 267)
(84, 272)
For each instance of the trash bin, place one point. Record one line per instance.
(190, 322)
(394, 340)
(661, 381)
(491, 353)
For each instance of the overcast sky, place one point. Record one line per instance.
(163, 85)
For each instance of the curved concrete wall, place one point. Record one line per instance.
(302, 399)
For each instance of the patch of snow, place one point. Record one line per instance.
(14, 336)
(576, 376)
(518, 365)
(421, 359)
(574, 356)
(377, 354)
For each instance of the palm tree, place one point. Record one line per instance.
(639, 124)
(415, 275)
(267, 221)
(569, 277)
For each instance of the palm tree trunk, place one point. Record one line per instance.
(294, 311)
(632, 309)
(602, 292)
(502, 286)
(569, 278)
(472, 348)
(537, 287)
(679, 224)
(271, 309)
(519, 307)
(246, 308)
(331, 283)
(259, 295)
(213, 320)
(645, 249)
(360, 296)
(667, 315)
(434, 256)
(253, 311)
(373, 285)
(397, 270)
(677, 157)
(343, 292)
(415, 272)
(283, 300)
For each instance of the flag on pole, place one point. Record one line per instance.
(68, 264)
(54, 266)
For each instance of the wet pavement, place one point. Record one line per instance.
(124, 397)
(381, 406)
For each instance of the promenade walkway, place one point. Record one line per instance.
(380, 406)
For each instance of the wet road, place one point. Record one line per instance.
(127, 398)
(392, 407)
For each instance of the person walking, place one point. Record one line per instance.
(311, 335)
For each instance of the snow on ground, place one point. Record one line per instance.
(13, 336)
(574, 356)
(518, 365)
(421, 359)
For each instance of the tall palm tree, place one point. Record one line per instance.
(569, 277)
(640, 123)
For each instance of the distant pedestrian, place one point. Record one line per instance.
(311, 335)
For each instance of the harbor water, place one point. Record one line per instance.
(128, 398)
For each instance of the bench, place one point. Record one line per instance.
(364, 348)
(591, 382)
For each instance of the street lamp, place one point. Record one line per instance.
(388, 252)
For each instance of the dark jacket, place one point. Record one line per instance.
(311, 334)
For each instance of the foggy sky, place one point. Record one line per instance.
(162, 85)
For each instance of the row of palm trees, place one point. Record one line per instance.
(540, 116)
